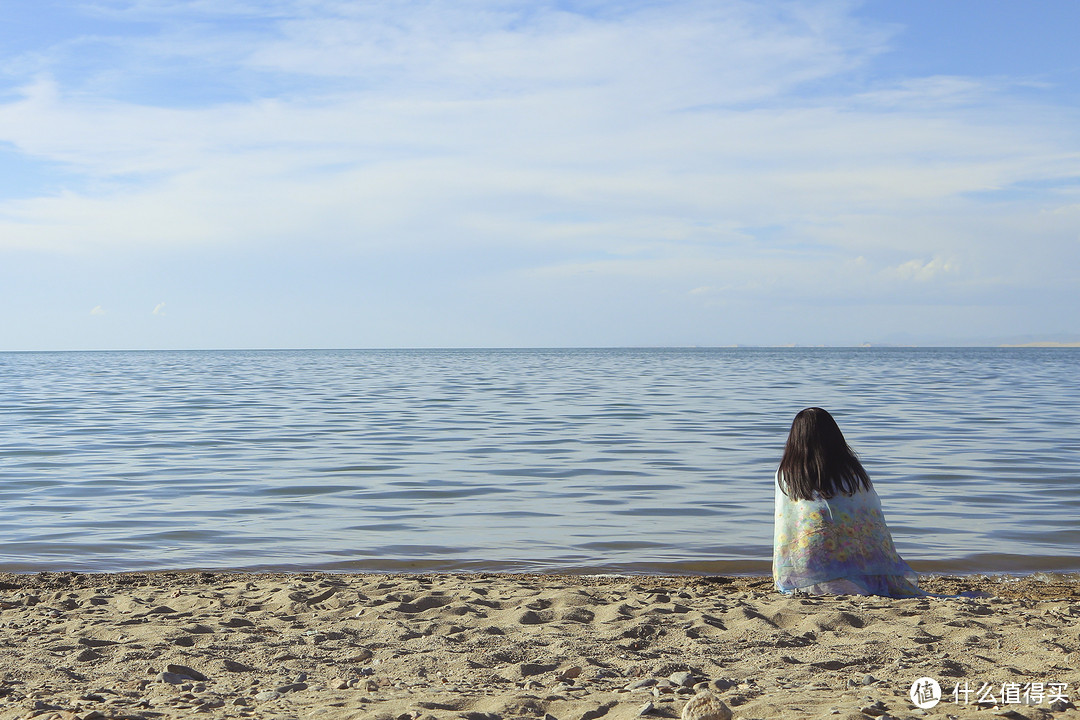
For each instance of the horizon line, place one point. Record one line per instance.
(792, 346)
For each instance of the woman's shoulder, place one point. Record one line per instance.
(861, 497)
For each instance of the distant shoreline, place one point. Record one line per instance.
(1044, 345)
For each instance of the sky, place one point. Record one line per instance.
(186, 174)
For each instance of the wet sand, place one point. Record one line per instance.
(502, 647)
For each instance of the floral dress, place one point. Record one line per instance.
(838, 546)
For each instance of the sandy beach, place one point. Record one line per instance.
(501, 647)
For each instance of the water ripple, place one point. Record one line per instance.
(570, 460)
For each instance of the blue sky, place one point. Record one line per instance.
(329, 173)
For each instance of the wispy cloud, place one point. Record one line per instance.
(923, 271)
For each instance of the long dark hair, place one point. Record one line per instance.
(817, 461)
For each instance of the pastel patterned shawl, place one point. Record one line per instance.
(843, 542)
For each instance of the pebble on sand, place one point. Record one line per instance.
(682, 679)
(185, 671)
(706, 706)
(172, 678)
(235, 666)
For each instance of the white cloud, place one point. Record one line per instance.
(159, 309)
(929, 92)
(97, 310)
(923, 271)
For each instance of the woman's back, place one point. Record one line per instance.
(829, 534)
(837, 545)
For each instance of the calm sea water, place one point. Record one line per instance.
(653, 461)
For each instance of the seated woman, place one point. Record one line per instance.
(830, 537)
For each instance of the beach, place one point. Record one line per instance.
(508, 646)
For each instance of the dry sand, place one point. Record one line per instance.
(221, 645)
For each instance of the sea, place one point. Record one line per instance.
(582, 461)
